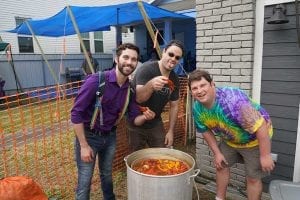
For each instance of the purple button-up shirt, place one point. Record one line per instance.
(113, 101)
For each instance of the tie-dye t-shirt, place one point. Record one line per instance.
(234, 117)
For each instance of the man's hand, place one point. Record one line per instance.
(86, 153)
(169, 138)
(158, 82)
(220, 161)
(149, 114)
(267, 163)
(264, 141)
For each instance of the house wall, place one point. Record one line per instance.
(224, 47)
(186, 29)
(40, 9)
(280, 88)
(32, 72)
(141, 40)
(176, 5)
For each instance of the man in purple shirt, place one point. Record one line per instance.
(100, 137)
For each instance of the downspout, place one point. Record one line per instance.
(297, 22)
(296, 176)
(258, 50)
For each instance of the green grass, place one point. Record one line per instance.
(42, 147)
(37, 141)
(49, 161)
(34, 115)
(44, 150)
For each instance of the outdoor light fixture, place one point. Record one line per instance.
(278, 17)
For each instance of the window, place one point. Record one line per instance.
(98, 41)
(86, 41)
(25, 42)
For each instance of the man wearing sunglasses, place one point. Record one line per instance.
(157, 84)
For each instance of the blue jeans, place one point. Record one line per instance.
(104, 145)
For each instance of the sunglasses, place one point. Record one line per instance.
(172, 55)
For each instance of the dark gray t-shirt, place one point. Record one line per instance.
(158, 99)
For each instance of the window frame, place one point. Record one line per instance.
(86, 40)
(20, 38)
(98, 40)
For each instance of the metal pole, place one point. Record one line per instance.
(42, 52)
(149, 27)
(44, 57)
(118, 30)
(11, 62)
(80, 38)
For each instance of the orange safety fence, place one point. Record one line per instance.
(37, 138)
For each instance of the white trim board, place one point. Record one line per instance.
(296, 177)
(258, 49)
(257, 69)
(258, 44)
(271, 2)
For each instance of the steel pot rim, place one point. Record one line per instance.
(191, 165)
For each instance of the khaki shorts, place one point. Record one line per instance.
(140, 138)
(250, 157)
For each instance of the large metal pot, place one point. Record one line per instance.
(149, 187)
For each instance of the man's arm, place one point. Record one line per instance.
(264, 142)
(250, 117)
(141, 119)
(85, 150)
(144, 92)
(210, 139)
(169, 138)
(219, 159)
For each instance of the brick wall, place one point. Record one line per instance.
(225, 41)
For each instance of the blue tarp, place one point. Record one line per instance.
(90, 19)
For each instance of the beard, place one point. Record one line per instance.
(125, 70)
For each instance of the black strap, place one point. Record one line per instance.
(101, 86)
(99, 94)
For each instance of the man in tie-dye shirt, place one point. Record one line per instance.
(244, 128)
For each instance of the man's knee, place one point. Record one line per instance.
(253, 181)
(224, 171)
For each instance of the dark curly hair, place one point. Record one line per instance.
(124, 46)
